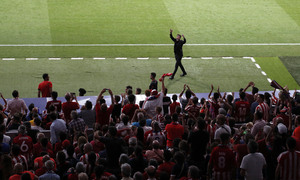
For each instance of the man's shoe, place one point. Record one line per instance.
(184, 74)
(171, 77)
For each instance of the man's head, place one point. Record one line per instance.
(88, 147)
(151, 171)
(54, 95)
(242, 95)
(216, 96)
(178, 37)
(80, 167)
(291, 143)
(103, 107)
(68, 97)
(152, 75)
(15, 94)
(123, 159)
(82, 92)
(147, 93)
(22, 129)
(175, 117)
(258, 115)
(49, 165)
(188, 94)
(88, 105)
(195, 100)
(225, 137)
(131, 98)
(260, 98)
(138, 91)
(155, 144)
(174, 97)
(46, 77)
(201, 123)
(254, 90)
(252, 146)
(126, 170)
(74, 114)
(221, 119)
(194, 172)
(18, 168)
(112, 131)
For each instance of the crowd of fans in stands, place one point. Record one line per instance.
(255, 136)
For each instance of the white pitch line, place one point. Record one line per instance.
(247, 57)
(206, 58)
(227, 57)
(253, 60)
(187, 58)
(269, 80)
(142, 58)
(164, 58)
(77, 58)
(54, 59)
(32, 59)
(93, 45)
(121, 58)
(263, 72)
(99, 58)
(8, 59)
(257, 66)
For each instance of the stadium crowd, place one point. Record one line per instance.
(255, 136)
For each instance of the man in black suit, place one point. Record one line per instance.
(178, 53)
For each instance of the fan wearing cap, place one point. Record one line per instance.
(155, 100)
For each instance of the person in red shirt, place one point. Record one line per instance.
(102, 112)
(25, 142)
(55, 102)
(130, 108)
(167, 164)
(45, 87)
(37, 147)
(69, 106)
(174, 130)
(18, 169)
(174, 104)
(242, 108)
(222, 160)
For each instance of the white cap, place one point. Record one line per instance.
(281, 128)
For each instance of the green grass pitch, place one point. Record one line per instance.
(227, 22)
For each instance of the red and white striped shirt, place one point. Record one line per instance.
(289, 163)
(264, 109)
(193, 110)
(20, 159)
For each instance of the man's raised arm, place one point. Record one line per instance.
(184, 40)
(171, 36)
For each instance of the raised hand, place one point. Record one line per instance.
(171, 30)
(212, 87)
(182, 35)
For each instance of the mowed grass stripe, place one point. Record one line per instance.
(276, 70)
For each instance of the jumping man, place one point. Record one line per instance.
(178, 53)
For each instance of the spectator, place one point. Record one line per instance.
(174, 104)
(126, 171)
(188, 94)
(16, 105)
(25, 142)
(174, 130)
(147, 94)
(6, 139)
(130, 108)
(31, 132)
(166, 102)
(77, 124)
(156, 134)
(138, 162)
(222, 127)
(180, 168)
(250, 97)
(198, 140)
(117, 109)
(167, 164)
(192, 108)
(242, 108)
(222, 159)
(88, 114)
(193, 173)
(288, 162)
(69, 106)
(4, 147)
(50, 173)
(151, 172)
(214, 103)
(259, 123)
(80, 168)
(158, 115)
(263, 107)
(58, 126)
(56, 103)
(252, 164)
(155, 153)
(45, 87)
(154, 101)
(153, 84)
(15, 122)
(102, 111)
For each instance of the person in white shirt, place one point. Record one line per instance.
(252, 164)
(155, 100)
(222, 127)
(16, 105)
(58, 126)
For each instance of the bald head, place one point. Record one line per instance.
(18, 168)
